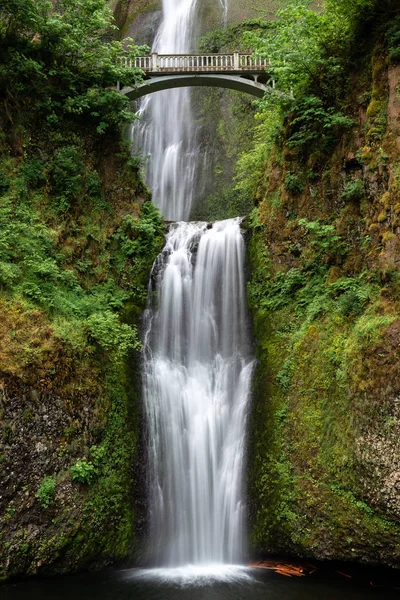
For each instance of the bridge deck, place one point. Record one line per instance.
(167, 64)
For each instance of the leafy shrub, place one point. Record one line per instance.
(284, 376)
(83, 472)
(322, 237)
(66, 59)
(98, 454)
(33, 172)
(67, 175)
(313, 123)
(354, 191)
(352, 295)
(293, 184)
(283, 289)
(46, 491)
(110, 334)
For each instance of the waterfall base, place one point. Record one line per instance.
(197, 575)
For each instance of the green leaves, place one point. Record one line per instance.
(298, 46)
(83, 472)
(46, 491)
(322, 237)
(67, 59)
(110, 334)
(312, 122)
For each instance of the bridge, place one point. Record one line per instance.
(236, 71)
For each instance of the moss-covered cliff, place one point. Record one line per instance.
(325, 253)
(78, 235)
(140, 19)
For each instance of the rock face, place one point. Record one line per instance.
(70, 410)
(140, 19)
(325, 446)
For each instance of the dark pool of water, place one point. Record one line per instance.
(255, 585)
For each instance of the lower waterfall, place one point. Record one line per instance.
(197, 376)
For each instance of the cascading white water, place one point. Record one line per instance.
(167, 132)
(197, 365)
(197, 378)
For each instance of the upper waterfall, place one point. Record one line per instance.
(167, 132)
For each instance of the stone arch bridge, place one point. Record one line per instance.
(236, 71)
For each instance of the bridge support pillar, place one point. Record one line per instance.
(154, 61)
(236, 61)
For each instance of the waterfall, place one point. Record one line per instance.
(197, 378)
(166, 132)
(197, 364)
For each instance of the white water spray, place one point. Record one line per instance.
(197, 378)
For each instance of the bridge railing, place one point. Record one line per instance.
(159, 63)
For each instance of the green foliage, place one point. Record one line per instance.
(46, 491)
(67, 60)
(252, 162)
(67, 176)
(83, 472)
(310, 55)
(33, 266)
(305, 476)
(323, 238)
(284, 376)
(354, 191)
(106, 330)
(137, 236)
(293, 184)
(352, 294)
(306, 289)
(393, 37)
(304, 48)
(313, 123)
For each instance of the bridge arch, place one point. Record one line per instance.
(166, 82)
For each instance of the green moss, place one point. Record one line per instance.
(78, 237)
(308, 494)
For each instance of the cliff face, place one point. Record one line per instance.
(137, 19)
(72, 289)
(140, 19)
(325, 254)
(78, 235)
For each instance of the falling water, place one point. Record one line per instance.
(167, 132)
(197, 377)
(197, 363)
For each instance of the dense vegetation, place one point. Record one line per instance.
(325, 174)
(78, 235)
